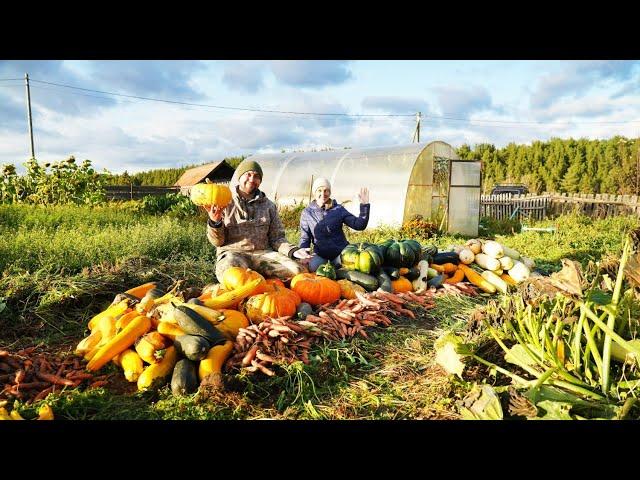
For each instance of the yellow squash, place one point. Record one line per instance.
(211, 367)
(131, 364)
(227, 299)
(113, 311)
(123, 340)
(170, 330)
(158, 371)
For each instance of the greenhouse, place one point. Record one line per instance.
(405, 181)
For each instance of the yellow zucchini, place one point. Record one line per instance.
(477, 279)
(113, 310)
(206, 312)
(88, 343)
(229, 298)
(170, 330)
(507, 278)
(141, 290)
(158, 372)
(211, 366)
(123, 340)
(131, 364)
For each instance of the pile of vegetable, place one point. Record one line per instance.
(577, 354)
(487, 264)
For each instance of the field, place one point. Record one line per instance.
(62, 265)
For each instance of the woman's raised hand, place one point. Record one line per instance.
(363, 196)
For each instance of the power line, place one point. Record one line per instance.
(257, 115)
(9, 79)
(226, 107)
(292, 113)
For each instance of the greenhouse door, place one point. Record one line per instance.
(465, 179)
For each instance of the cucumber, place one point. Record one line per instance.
(445, 257)
(194, 347)
(184, 380)
(368, 282)
(193, 323)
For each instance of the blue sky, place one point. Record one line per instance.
(494, 101)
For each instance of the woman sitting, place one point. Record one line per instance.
(321, 224)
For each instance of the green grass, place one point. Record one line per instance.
(62, 265)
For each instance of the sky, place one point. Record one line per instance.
(475, 101)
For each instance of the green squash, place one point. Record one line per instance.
(326, 270)
(363, 257)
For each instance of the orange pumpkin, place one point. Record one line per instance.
(279, 302)
(314, 289)
(274, 281)
(401, 285)
(236, 277)
(210, 194)
(348, 289)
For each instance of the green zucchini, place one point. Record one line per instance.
(445, 257)
(193, 323)
(184, 380)
(368, 282)
(194, 347)
(384, 281)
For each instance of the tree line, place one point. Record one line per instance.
(562, 165)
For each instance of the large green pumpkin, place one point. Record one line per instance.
(363, 257)
(401, 253)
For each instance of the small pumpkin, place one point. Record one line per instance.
(348, 289)
(401, 253)
(280, 302)
(314, 289)
(210, 194)
(236, 277)
(303, 310)
(401, 285)
(327, 270)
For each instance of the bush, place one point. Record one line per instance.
(172, 204)
(290, 215)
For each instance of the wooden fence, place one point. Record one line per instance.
(135, 192)
(549, 205)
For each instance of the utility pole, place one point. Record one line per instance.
(26, 81)
(416, 133)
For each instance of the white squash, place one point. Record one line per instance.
(487, 262)
(474, 245)
(495, 280)
(519, 272)
(466, 256)
(493, 249)
(506, 262)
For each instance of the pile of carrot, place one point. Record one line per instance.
(31, 374)
(285, 340)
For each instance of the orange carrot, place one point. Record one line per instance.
(251, 354)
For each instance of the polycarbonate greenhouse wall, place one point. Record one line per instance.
(400, 181)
